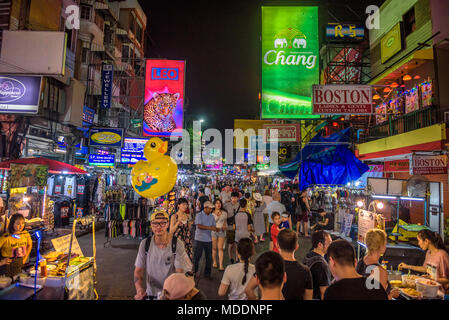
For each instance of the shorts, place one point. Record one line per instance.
(219, 234)
(303, 217)
(230, 236)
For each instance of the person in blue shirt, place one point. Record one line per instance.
(205, 224)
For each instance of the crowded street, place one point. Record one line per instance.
(221, 152)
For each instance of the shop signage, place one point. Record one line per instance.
(368, 220)
(107, 75)
(397, 166)
(422, 164)
(164, 98)
(132, 150)
(214, 167)
(391, 43)
(286, 132)
(261, 166)
(62, 244)
(101, 160)
(290, 63)
(20, 94)
(342, 99)
(88, 116)
(106, 137)
(344, 31)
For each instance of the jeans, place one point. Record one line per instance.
(198, 252)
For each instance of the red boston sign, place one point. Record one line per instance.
(342, 99)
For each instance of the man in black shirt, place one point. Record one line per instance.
(349, 285)
(325, 221)
(321, 274)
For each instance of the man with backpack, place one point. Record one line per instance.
(321, 274)
(159, 256)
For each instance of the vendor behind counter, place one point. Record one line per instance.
(15, 247)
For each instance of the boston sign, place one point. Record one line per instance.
(429, 164)
(342, 99)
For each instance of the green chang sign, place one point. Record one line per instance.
(290, 61)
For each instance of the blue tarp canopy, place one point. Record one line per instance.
(324, 161)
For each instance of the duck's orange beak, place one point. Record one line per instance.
(163, 149)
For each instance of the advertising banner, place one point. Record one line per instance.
(391, 43)
(88, 116)
(397, 166)
(344, 31)
(27, 175)
(20, 94)
(286, 132)
(164, 98)
(132, 150)
(342, 99)
(106, 137)
(429, 164)
(107, 75)
(290, 61)
(101, 160)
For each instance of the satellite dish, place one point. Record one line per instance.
(417, 186)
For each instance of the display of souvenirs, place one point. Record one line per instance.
(381, 113)
(394, 106)
(426, 94)
(411, 100)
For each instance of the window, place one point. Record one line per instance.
(132, 24)
(409, 22)
(138, 33)
(85, 12)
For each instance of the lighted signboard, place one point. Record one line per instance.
(342, 99)
(106, 137)
(88, 116)
(164, 98)
(20, 94)
(290, 61)
(391, 43)
(101, 160)
(132, 150)
(344, 31)
(107, 75)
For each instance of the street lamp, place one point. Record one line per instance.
(201, 120)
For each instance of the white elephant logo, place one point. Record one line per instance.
(299, 43)
(280, 42)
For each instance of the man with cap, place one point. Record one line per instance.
(179, 286)
(159, 256)
(205, 224)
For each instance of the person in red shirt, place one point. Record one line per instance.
(274, 231)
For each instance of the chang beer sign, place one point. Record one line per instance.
(290, 61)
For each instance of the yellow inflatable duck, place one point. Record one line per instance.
(156, 176)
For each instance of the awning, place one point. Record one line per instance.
(408, 64)
(425, 139)
(53, 165)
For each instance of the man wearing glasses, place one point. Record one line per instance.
(158, 258)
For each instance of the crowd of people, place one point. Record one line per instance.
(237, 217)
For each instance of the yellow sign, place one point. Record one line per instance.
(391, 43)
(242, 142)
(18, 190)
(62, 244)
(106, 137)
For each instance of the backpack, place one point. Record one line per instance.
(174, 242)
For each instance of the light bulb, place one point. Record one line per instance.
(380, 205)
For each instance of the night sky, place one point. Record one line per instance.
(220, 42)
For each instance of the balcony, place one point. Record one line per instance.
(411, 121)
(89, 27)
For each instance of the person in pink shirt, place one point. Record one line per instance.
(437, 257)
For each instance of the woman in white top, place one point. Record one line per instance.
(218, 238)
(267, 199)
(237, 276)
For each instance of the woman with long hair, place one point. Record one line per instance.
(180, 226)
(437, 258)
(259, 222)
(218, 238)
(237, 276)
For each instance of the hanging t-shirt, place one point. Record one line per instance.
(50, 185)
(69, 187)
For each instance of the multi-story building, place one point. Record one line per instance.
(409, 67)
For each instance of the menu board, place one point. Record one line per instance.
(411, 100)
(426, 94)
(366, 221)
(62, 244)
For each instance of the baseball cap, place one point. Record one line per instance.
(159, 213)
(257, 196)
(178, 286)
(208, 204)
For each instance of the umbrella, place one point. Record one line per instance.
(53, 165)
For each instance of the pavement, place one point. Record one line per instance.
(115, 265)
